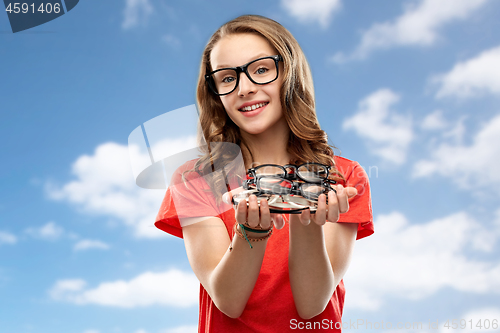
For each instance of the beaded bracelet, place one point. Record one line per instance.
(242, 234)
(257, 230)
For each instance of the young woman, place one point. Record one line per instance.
(255, 91)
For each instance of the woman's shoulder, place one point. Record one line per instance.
(342, 162)
(187, 170)
(187, 166)
(348, 168)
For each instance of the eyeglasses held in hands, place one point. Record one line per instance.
(288, 189)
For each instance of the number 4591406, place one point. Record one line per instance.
(472, 324)
(24, 8)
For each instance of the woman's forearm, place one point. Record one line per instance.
(311, 274)
(233, 279)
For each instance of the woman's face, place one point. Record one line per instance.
(254, 108)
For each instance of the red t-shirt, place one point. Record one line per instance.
(270, 307)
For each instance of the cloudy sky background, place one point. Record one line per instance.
(409, 89)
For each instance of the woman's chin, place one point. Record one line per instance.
(253, 131)
(265, 128)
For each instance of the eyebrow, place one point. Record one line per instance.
(260, 55)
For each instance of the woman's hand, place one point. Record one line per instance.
(256, 214)
(338, 203)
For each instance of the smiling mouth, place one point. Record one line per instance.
(253, 107)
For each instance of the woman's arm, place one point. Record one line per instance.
(319, 254)
(228, 276)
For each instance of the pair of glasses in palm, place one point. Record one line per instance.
(288, 188)
(308, 180)
(224, 81)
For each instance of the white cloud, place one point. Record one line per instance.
(452, 132)
(105, 185)
(457, 131)
(417, 26)
(49, 231)
(182, 329)
(414, 261)
(136, 12)
(434, 121)
(475, 317)
(7, 238)
(387, 133)
(320, 11)
(87, 244)
(463, 163)
(171, 288)
(473, 77)
(63, 287)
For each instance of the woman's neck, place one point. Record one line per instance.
(269, 147)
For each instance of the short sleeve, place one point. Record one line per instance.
(167, 219)
(187, 196)
(360, 207)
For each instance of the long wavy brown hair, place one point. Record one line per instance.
(306, 142)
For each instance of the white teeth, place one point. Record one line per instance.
(253, 107)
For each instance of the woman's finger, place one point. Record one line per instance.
(305, 217)
(279, 221)
(351, 192)
(228, 196)
(342, 199)
(265, 215)
(241, 212)
(320, 216)
(274, 218)
(333, 206)
(253, 212)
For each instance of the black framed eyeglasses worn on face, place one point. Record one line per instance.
(261, 71)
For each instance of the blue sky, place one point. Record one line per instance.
(409, 89)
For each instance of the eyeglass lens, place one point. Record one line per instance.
(275, 185)
(312, 172)
(312, 191)
(281, 186)
(308, 172)
(261, 71)
(269, 170)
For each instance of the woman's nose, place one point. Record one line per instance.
(245, 86)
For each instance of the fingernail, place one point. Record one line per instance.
(225, 198)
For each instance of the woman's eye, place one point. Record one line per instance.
(228, 79)
(261, 70)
